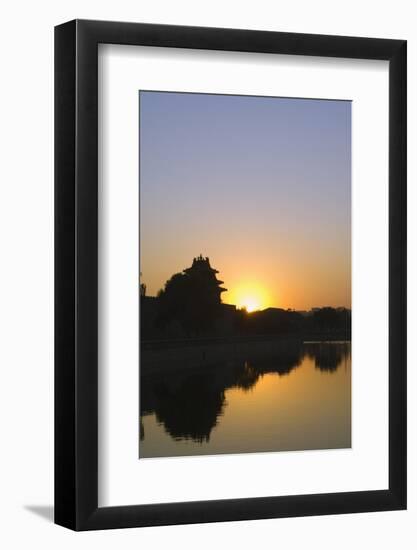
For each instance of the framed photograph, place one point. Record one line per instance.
(230, 252)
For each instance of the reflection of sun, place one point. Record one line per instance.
(251, 297)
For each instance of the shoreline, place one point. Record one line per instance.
(166, 356)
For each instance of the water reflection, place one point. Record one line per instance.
(328, 357)
(181, 409)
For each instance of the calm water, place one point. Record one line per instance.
(297, 398)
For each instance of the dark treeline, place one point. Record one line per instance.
(326, 321)
(190, 306)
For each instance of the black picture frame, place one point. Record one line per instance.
(76, 272)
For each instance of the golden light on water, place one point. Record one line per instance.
(250, 296)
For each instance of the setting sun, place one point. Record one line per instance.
(251, 297)
(244, 287)
(250, 303)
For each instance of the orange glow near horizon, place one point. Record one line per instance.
(260, 186)
(293, 281)
(250, 304)
(249, 296)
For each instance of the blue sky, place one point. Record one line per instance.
(260, 185)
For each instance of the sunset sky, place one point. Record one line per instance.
(259, 185)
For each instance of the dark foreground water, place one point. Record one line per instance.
(299, 398)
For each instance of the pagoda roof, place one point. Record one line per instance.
(201, 263)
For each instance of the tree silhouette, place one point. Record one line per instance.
(192, 298)
(190, 306)
(142, 288)
(329, 318)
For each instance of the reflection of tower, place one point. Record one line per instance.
(204, 276)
